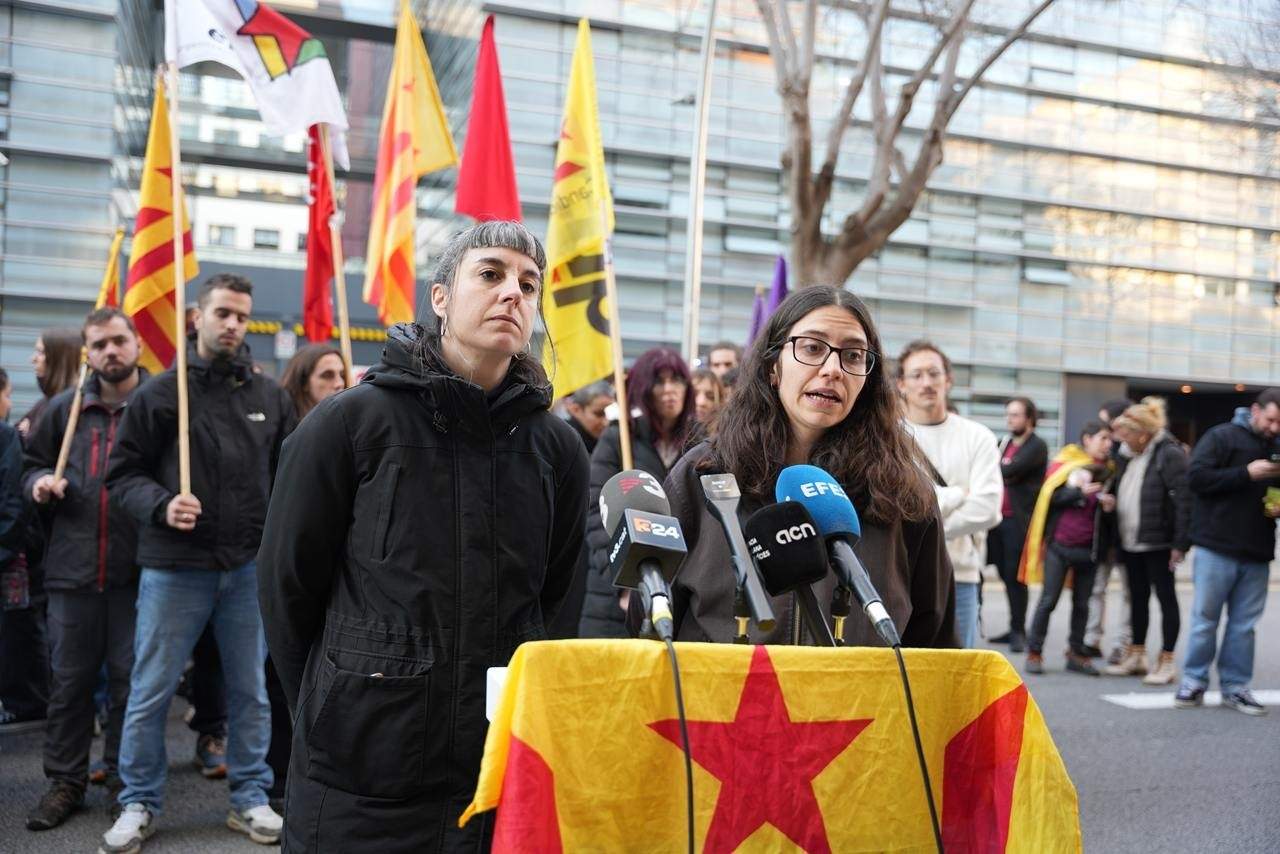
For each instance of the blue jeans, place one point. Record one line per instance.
(1242, 587)
(174, 605)
(967, 614)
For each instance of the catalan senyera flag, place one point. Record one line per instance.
(415, 140)
(793, 748)
(149, 287)
(580, 222)
(109, 290)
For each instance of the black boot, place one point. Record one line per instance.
(1017, 641)
(56, 806)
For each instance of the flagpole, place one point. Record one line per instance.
(615, 341)
(335, 244)
(179, 284)
(697, 189)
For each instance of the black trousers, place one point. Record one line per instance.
(1004, 545)
(86, 629)
(208, 691)
(1146, 570)
(1058, 560)
(281, 732)
(24, 659)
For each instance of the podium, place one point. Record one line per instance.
(794, 749)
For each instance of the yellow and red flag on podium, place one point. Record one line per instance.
(109, 290)
(580, 222)
(793, 747)
(415, 140)
(149, 288)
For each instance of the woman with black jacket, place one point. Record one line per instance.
(424, 524)
(659, 385)
(1153, 521)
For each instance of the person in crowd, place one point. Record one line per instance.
(1234, 476)
(197, 553)
(724, 356)
(424, 524)
(814, 391)
(56, 363)
(708, 397)
(91, 571)
(14, 523)
(315, 372)
(586, 410)
(1153, 517)
(729, 379)
(965, 466)
(1108, 565)
(1023, 457)
(1074, 498)
(660, 392)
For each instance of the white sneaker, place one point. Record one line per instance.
(261, 823)
(125, 836)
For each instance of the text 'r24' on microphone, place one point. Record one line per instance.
(646, 544)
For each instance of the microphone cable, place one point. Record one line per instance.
(915, 733)
(684, 738)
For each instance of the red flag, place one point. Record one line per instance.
(487, 177)
(317, 294)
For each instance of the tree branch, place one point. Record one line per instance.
(805, 70)
(1014, 34)
(788, 34)
(777, 50)
(878, 182)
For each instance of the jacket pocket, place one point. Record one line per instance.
(386, 499)
(369, 735)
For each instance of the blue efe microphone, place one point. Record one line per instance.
(837, 521)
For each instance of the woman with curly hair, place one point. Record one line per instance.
(814, 390)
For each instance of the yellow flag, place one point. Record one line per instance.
(584, 752)
(109, 290)
(581, 219)
(415, 140)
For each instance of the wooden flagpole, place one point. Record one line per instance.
(615, 340)
(179, 285)
(335, 241)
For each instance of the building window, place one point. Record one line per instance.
(266, 238)
(222, 235)
(302, 241)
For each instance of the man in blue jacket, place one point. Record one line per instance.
(1235, 537)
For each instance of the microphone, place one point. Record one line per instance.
(837, 522)
(648, 546)
(722, 495)
(791, 555)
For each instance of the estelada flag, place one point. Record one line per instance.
(149, 286)
(286, 67)
(317, 279)
(109, 290)
(487, 175)
(1031, 564)
(415, 139)
(580, 222)
(793, 747)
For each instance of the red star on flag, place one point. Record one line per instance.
(766, 763)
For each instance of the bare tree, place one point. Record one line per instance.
(894, 185)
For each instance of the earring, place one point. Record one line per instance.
(444, 324)
(524, 352)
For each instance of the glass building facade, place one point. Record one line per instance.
(1105, 218)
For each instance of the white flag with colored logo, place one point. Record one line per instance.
(285, 66)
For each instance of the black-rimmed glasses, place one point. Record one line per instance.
(814, 352)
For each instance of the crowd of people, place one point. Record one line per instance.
(329, 590)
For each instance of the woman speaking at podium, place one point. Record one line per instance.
(423, 525)
(813, 390)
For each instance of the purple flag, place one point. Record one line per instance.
(779, 290)
(757, 316)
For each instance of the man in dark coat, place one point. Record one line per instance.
(1234, 478)
(424, 525)
(197, 555)
(1023, 458)
(91, 569)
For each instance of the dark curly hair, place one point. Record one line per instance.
(869, 451)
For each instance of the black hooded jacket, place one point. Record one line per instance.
(93, 543)
(419, 532)
(238, 420)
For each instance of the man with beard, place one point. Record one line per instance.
(197, 551)
(90, 568)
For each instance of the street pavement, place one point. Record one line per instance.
(1149, 780)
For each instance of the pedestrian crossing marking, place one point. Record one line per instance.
(1146, 701)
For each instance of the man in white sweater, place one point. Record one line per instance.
(966, 463)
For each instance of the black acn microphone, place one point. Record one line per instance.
(648, 547)
(792, 556)
(722, 496)
(837, 521)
